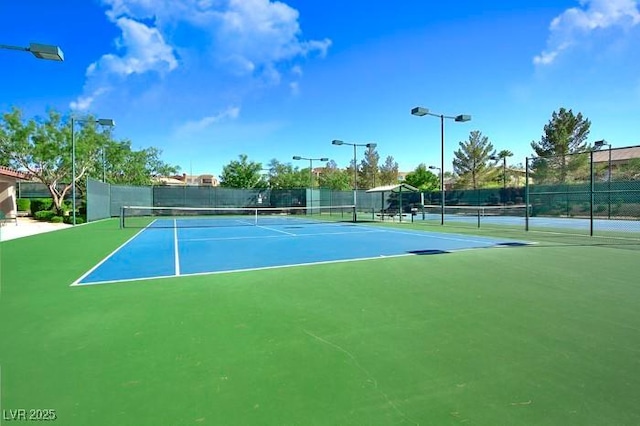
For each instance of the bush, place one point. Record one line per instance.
(57, 219)
(24, 204)
(44, 215)
(40, 204)
(69, 220)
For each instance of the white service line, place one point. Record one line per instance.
(277, 230)
(315, 234)
(175, 247)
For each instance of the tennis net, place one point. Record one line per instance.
(195, 217)
(499, 215)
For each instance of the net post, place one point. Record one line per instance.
(122, 217)
(355, 219)
(479, 210)
(255, 217)
(526, 194)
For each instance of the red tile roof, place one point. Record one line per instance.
(6, 171)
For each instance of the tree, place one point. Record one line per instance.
(368, 170)
(422, 178)
(334, 178)
(285, 176)
(44, 149)
(242, 174)
(564, 135)
(470, 162)
(504, 172)
(389, 171)
(124, 166)
(630, 170)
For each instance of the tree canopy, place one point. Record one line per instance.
(422, 179)
(43, 148)
(471, 161)
(242, 173)
(389, 171)
(564, 136)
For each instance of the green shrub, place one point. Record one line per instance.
(24, 204)
(44, 215)
(40, 204)
(69, 220)
(57, 219)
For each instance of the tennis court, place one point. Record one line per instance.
(541, 334)
(181, 241)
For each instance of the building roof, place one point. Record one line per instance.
(6, 171)
(617, 154)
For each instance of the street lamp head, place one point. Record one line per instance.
(494, 158)
(371, 145)
(106, 122)
(297, 157)
(463, 118)
(337, 142)
(434, 168)
(419, 111)
(599, 144)
(45, 51)
(324, 159)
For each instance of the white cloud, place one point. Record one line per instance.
(83, 103)
(577, 23)
(294, 86)
(244, 38)
(196, 126)
(144, 50)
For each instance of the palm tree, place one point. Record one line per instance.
(503, 155)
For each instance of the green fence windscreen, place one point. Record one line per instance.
(98, 200)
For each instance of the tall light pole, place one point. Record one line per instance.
(297, 157)
(355, 169)
(103, 122)
(421, 112)
(598, 145)
(40, 51)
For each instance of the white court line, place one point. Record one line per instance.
(76, 282)
(233, 271)
(175, 247)
(435, 234)
(276, 236)
(277, 230)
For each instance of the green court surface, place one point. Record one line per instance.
(547, 334)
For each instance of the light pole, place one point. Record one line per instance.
(40, 51)
(103, 122)
(355, 169)
(421, 112)
(297, 157)
(599, 144)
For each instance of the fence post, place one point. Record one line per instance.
(591, 193)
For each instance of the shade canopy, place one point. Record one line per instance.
(401, 187)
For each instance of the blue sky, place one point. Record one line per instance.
(207, 80)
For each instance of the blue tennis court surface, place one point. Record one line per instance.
(169, 250)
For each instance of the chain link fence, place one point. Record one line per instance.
(590, 193)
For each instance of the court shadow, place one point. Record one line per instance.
(427, 252)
